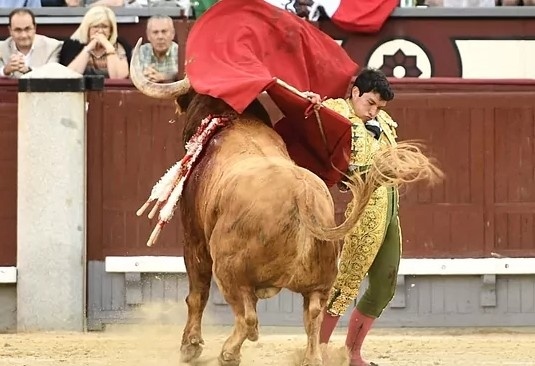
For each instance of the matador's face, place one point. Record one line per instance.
(367, 105)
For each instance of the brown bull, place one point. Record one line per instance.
(257, 221)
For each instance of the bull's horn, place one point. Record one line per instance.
(154, 90)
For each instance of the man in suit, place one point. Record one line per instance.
(25, 49)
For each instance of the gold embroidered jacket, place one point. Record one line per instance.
(363, 143)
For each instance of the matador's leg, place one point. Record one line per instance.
(382, 277)
(359, 250)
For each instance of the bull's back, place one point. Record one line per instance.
(259, 176)
(248, 192)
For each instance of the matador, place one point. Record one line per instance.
(373, 247)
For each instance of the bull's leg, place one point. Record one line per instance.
(251, 317)
(312, 313)
(243, 303)
(199, 267)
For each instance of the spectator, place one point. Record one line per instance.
(159, 57)
(94, 48)
(104, 2)
(81, 3)
(54, 3)
(516, 2)
(25, 49)
(20, 4)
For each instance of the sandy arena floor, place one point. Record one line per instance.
(158, 346)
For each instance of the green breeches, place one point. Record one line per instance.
(372, 248)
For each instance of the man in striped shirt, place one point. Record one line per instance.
(159, 57)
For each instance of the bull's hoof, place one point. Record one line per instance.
(191, 351)
(229, 359)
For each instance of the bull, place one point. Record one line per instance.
(256, 222)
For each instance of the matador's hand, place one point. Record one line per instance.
(313, 97)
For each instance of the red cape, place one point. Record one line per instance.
(366, 16)
(236, 50)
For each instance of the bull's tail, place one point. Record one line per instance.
(392, 166)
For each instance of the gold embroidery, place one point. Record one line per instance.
(359, 251)
(389, 128)
(363, 145)
(339, 105)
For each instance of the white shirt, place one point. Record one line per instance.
(27, 59)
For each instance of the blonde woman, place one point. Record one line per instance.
(94, 49)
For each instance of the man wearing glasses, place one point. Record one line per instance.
(24, 49)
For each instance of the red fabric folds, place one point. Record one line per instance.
(304, 140)
(237, 49)
(364, 16)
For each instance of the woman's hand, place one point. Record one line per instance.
(91, 45)
(104, 42)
